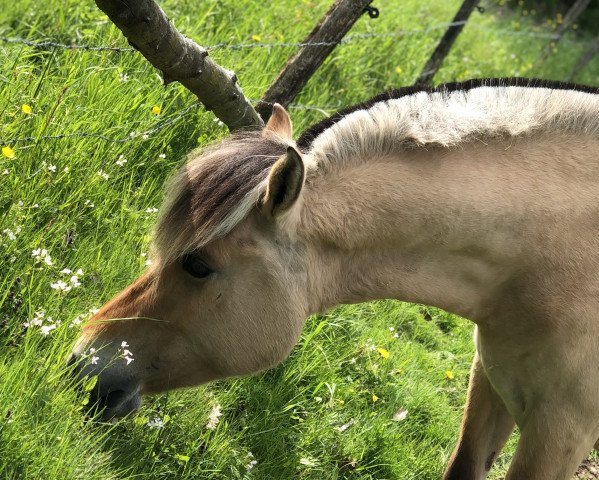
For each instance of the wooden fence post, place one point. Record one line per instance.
(319, 44)
(446, 42)
(180, 59)
(585, 58)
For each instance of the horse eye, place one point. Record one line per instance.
(195, 266)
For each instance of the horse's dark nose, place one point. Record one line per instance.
(116, 391)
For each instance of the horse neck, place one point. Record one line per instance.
(439, 226)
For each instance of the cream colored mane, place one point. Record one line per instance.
(452, 118)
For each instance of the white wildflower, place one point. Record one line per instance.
(67, 169)
(46, 329)
(5, 172)
(126, 354)
(123, 77)
(41, 255)
(52, 168)
(156, 422)
(66, 271)
(103, 174)
(151, 210)
(94, 360)
(252, 463)
(76, 321)
(214, 417)
(61, 286)
(400, 415)
(37, 320)
(88, 203)
(148, 262)
(162, 155)
(35, 205)
(10, 234)
(121, 161)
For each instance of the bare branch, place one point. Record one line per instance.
(446, 42)
(323, 39)
(149, 30)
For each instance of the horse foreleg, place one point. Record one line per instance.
(485, 429)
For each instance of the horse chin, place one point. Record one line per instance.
(119, 404)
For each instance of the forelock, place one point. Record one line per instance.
(214, 191)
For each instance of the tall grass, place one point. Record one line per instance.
(328, 411)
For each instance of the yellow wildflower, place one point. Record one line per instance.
(8, 152)
(341, 402)
(26, 109)
(449, 375)
(156, 110)
(384, 353)
(398, 70)
(375, 398)
(256, 38)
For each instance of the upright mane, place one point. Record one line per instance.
(306, 139)
(216, 190)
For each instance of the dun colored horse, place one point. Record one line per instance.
(481, 198)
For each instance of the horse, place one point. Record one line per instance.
(480, 198)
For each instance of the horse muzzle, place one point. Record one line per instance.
(116, 392)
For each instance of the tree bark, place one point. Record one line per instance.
(446, 42)
(149, 30)
(586, 57)
(321, 41)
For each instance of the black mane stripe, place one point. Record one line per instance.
(305, 140)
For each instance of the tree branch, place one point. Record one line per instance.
(180, 59)
(446, 42)
(326, 35)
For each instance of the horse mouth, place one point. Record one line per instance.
(118, 403)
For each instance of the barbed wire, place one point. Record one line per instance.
(228, 46)
(247, 46)
(160, 126)
(132, 136)
(145, 135)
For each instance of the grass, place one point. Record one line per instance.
(315, 416)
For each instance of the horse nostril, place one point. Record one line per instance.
(113, 399)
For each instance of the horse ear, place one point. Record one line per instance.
(279, 122)
(285, 182)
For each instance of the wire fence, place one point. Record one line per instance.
(49, 44)
(147, 134)
(325, 110)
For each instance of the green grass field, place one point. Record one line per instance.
(328, 411)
